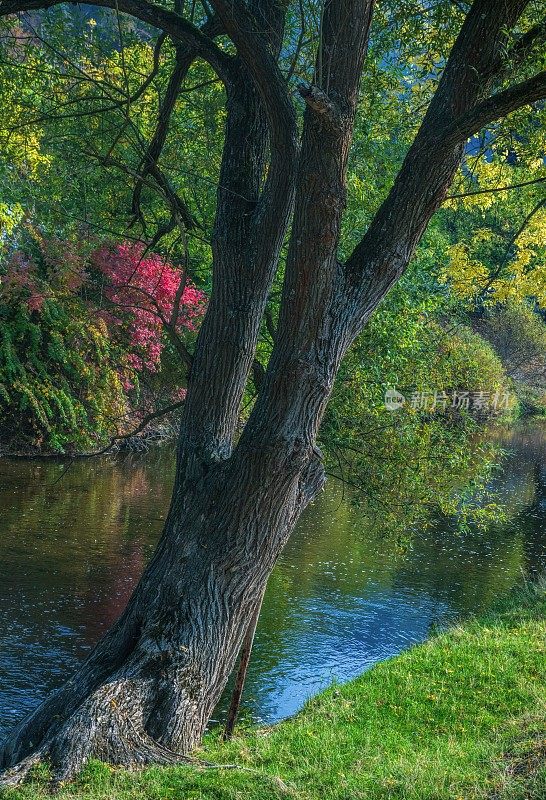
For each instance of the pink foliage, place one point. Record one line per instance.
(143, 287)
(36, 301)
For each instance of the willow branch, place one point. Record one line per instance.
(522, 48)
(183, 60)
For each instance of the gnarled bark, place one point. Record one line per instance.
(146, 692)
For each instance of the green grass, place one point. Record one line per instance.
(462, 716)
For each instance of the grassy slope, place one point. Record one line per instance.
(460, 717)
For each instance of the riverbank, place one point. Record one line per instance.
(460, 717)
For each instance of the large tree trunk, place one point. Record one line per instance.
(146, 692)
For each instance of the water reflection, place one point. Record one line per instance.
(342, 597)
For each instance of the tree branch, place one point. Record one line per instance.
(155, 69)
(494, 189)
(258, 41)
(529, 40)
(435, 155)
(145, 421)
(253, 49)
(519, 51)
(184, 59)
(173, 24)
(497, 106)
(513, 239)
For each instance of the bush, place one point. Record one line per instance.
(79, 328)
(60, 377)
(407, 463)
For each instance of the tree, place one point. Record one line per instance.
(148, 689)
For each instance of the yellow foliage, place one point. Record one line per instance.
(10, 217)
(467, 276)
(517, 275)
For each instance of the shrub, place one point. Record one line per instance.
(69, 364)
(60, 381)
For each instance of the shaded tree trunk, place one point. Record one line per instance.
(146, 692)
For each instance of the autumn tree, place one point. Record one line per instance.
(146, 692)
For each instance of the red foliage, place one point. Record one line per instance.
(143, 287)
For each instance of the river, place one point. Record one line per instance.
(343, 596)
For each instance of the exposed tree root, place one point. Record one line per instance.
(137, 753)
(14, 776)
(109, 727)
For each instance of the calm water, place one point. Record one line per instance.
(341, 598)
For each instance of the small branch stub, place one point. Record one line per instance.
(319, 101)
